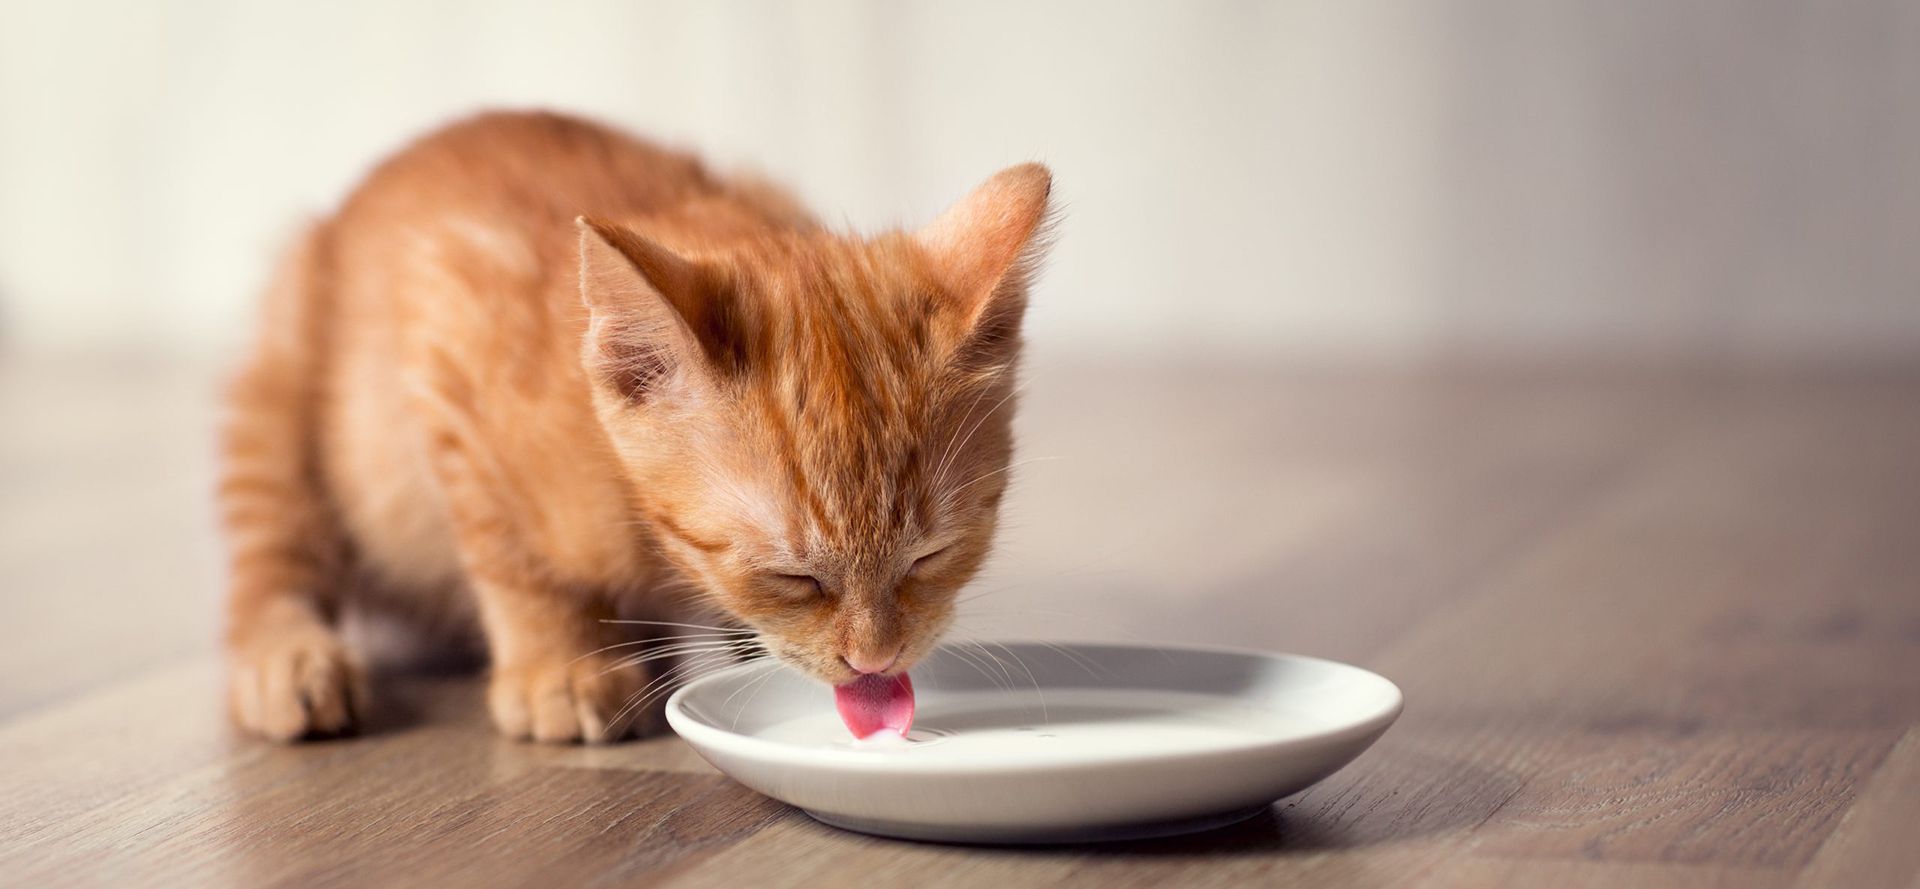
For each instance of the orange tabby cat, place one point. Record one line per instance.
(536, 373)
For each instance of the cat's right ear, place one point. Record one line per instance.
(983, 251)
(653, 314)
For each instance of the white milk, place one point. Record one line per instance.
(988, 726)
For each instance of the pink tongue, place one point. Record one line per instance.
(874, 702)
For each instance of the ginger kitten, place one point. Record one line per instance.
(536, 374)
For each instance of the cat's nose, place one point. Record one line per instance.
(871, 662)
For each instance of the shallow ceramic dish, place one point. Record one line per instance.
(1044, 743)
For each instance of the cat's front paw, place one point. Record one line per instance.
(296, 685)
(582, 700)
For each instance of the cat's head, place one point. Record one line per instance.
(817, 427)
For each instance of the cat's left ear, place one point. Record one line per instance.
(984, 252)
(655, 315)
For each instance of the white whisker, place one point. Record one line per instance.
(946, 497)
(669, 623)
(756, 685)
(986, 385)
(683, 649)
(638, 700)
(655, 640)
(763, 683)
(954, 451)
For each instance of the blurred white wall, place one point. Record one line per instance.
(1347, 177)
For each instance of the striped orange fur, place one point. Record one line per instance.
(535, 374)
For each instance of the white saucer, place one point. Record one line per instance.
(1047, 744)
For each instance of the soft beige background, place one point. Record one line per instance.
(1296, 179)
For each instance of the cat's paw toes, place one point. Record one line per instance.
(303, 686)
(583, 700)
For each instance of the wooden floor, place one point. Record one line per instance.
(1655, 629)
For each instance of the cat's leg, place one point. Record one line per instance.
(551, 679)
(290, 674)
(548, 682)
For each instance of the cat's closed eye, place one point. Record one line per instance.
(922, 562)
(798, 586)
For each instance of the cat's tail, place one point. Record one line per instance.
(285, 548)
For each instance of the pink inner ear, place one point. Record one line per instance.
(875, 703)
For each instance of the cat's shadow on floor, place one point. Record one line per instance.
(424, 693)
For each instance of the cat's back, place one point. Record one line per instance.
(543, 167)
(467, 235)
(452, 289)
(485, 206)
